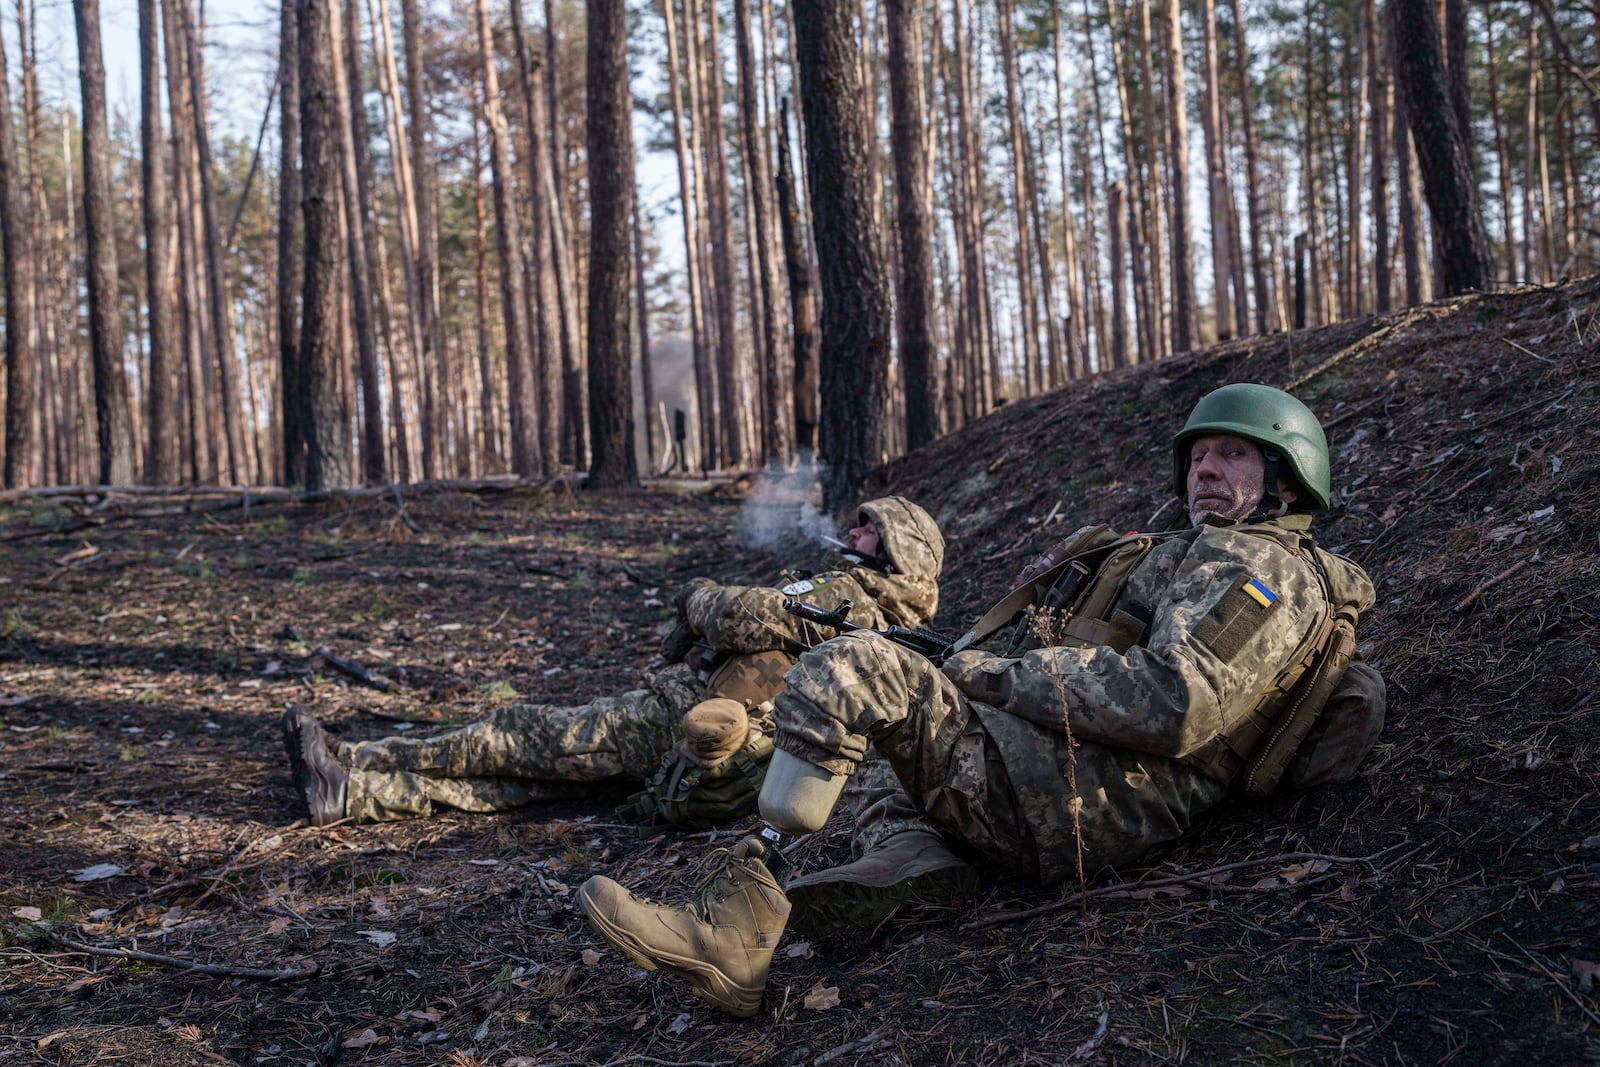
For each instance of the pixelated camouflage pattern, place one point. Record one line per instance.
(981, 748)
(741, 618)
(528, 752)
(521, 753)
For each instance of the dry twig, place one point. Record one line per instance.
(282, 974)
(1003, 917)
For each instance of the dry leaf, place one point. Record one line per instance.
(381, 938)
(590, 957)
(30, 914)
(1299, 871)
(361, 1040)
(638, 1023)
(821, 998)
(680, 1024)
(278, 925)
(1585, 972)
(799, 948)
(98, 872)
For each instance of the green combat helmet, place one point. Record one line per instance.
(1287, 432)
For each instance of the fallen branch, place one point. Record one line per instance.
(1367, 343)
(351, 668)
(1119, 888)
(860, 1044)
(1489, 583)
(283, 974)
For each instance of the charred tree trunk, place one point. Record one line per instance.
(1382, 269)
(854, 354)
(329, 463)
(113, 425)
(802, 298)
(914, 222)
(609, 114)
(1446, 169)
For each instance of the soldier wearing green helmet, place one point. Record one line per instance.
(1164, 672)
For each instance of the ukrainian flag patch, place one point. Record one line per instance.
(1260, 593)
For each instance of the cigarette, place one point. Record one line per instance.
(834, 541)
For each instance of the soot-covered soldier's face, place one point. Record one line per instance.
(1225, 474)
(863, 540)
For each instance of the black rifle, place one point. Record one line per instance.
(926, 643)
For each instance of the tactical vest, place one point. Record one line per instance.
(1080, 609)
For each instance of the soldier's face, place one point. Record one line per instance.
(1225, 474)
(863, 540)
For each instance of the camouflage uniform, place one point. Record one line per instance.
(527, 752)
(981, 747)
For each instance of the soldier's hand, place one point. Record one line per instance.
(1051, 557)
(676, 644)
(680, 599)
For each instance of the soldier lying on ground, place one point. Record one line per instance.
(1184, 665)
(726, 656)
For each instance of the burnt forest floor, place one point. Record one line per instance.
(1442, 907)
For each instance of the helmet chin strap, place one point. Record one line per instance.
(1272, 506)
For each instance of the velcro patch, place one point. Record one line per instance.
(804, 586)
(1238, 617)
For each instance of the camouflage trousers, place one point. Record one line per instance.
(990, 781)
(521, 753)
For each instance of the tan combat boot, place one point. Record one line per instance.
(912, 867)
(721, 942)
(320, 782)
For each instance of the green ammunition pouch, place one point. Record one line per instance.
(684, 795)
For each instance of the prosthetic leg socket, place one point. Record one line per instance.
(798, 796)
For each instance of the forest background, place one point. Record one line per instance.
(338, 245)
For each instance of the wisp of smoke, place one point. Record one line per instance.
(781, 514)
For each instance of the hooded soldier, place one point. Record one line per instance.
(1176, 668)
(728, 655)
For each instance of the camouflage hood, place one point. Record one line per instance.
(909, 590)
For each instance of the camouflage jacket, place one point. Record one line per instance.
(902, 589)
(1228, 611)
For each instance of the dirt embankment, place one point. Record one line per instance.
(1441, 907)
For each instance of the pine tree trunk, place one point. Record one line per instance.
(1031, 369)
(609, 114)
(426, 249)
(1456, 74)
(544, 317)
(488, 408)
(568, 283)
(688, 186)
(329, 462)
(16, 244)
(1446, 170)
(1151, 203)
(641, 309)
(373, 450)
(802, 297)
(1116, 223)
(118, 457)
(1183, 335)
(229, 394)
(730, 371)
(854, 354)
(1382, 268)
(913, 221)
(293, 414)
(1358, 155)
(1221, 193)
(1406, 188)
(525, 458)
(984, 389)
(777, 431)
(161, 455)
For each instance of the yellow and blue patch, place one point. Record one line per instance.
(1258, 592)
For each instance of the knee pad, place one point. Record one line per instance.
(798, 796)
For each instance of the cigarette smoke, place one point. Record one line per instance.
(781, 515)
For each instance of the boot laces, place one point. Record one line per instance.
(718, 879)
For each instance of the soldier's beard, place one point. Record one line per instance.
(1219, 498)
